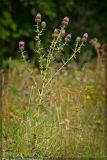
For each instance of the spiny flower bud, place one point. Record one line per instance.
(68, 38)
(21, 45)
(78, 39)
(43, 24)
(38, 18)
(55, 33)
(65, 21)
(56, 30)
(63, 33)
(85, 37)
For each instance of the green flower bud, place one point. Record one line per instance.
(78, 39)
(43, 24)
(63, 33)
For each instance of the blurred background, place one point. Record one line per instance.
(17, 19)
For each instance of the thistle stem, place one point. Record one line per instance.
(73, 55)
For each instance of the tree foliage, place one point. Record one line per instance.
(17, 19)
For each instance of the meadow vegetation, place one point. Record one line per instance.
(69, 125)
(55, 111)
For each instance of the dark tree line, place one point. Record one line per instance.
(17, 20)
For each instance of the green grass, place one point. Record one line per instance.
(69, 123)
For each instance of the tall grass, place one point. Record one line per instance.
(69, 124)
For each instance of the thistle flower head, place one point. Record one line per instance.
(68, 38)
(21, 45)
(56, 30)
(85, 37)
(65, 21)
(55, 33)
(38, 18)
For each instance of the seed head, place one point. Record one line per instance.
(65, 21)
(38, 18)
(21, 45)
(85, 37)
(68, 38)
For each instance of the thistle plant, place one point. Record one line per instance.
(47, 57)
(21, 47)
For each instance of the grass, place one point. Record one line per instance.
(69, 124)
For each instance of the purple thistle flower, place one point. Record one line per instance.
(65, 21)
(21, 45)
(85, 37)
(38, 18)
